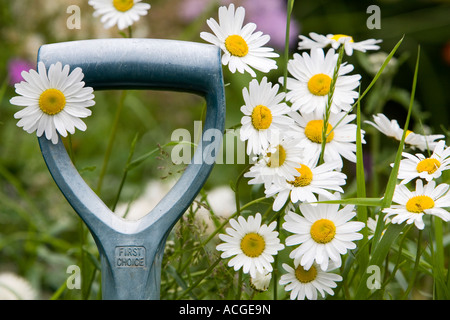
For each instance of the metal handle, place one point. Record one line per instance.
(131, 251)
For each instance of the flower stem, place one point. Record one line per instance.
(326, 116)
(290, 6)
(111, 141)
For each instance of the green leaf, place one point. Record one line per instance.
(368, 202)
(381, 247)
(363, 256)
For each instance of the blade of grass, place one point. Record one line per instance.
(374, 80)
(382, 247)
(361, 211)
(439, 260)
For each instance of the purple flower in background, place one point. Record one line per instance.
(269, 15)
(15, 68)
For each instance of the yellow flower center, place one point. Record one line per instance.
(123, 5)
(418, 204)
(236, 45)
(429, 165)
(408, 132)
(323, 231)
(261, 117)
(319, 84)
(252, 245)
(336, 37)
(304, 178)
(52, 101)
(313, 131)
(305, 276)
(277, 158)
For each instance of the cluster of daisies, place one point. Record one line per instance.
(299, 140)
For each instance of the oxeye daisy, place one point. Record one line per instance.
(261, 281)
(323, 233)
(311, 180)
(122, 13)
(392, 129)
(340, 139)
(278, 162)
(413, 205)
(53, 102)
(306, 283)
(251, 244)
(336, 40)
(418, 166)
(311, 79)
(243, 49)
(14, 287)
(264, 112)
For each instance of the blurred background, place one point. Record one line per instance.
(40, 235)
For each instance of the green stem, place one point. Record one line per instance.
(111, 141)
(416, 267)
(290, 6)
(329, 103)
(125, 173)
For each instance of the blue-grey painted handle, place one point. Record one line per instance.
(131, 251)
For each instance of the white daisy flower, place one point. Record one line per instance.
(312, 76)
(122, 13)
(14, 287)
(264, 112)
(306, 283)
(341, 135)
(251, 244)
(312, 180)
(261, 281)
(336, 40)
(243, 49)
(392, 129)
(278, 162)
(53, 102)
(418, 166)
(324, 233)
(413, 205)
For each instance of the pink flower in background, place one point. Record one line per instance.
(269, 15)
(15, 68)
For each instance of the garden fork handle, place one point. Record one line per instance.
(137, 64)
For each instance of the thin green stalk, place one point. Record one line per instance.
(381, 247)
(205, 274)
(236, 190)
(329, 103)
(290, 6)
(439, 260)
(416, 267)
(363, 256)
(374, 80)
(239, 286)
(125, 173)
(111, 141)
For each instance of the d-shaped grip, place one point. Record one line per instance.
(136, 64)
(140, 63)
